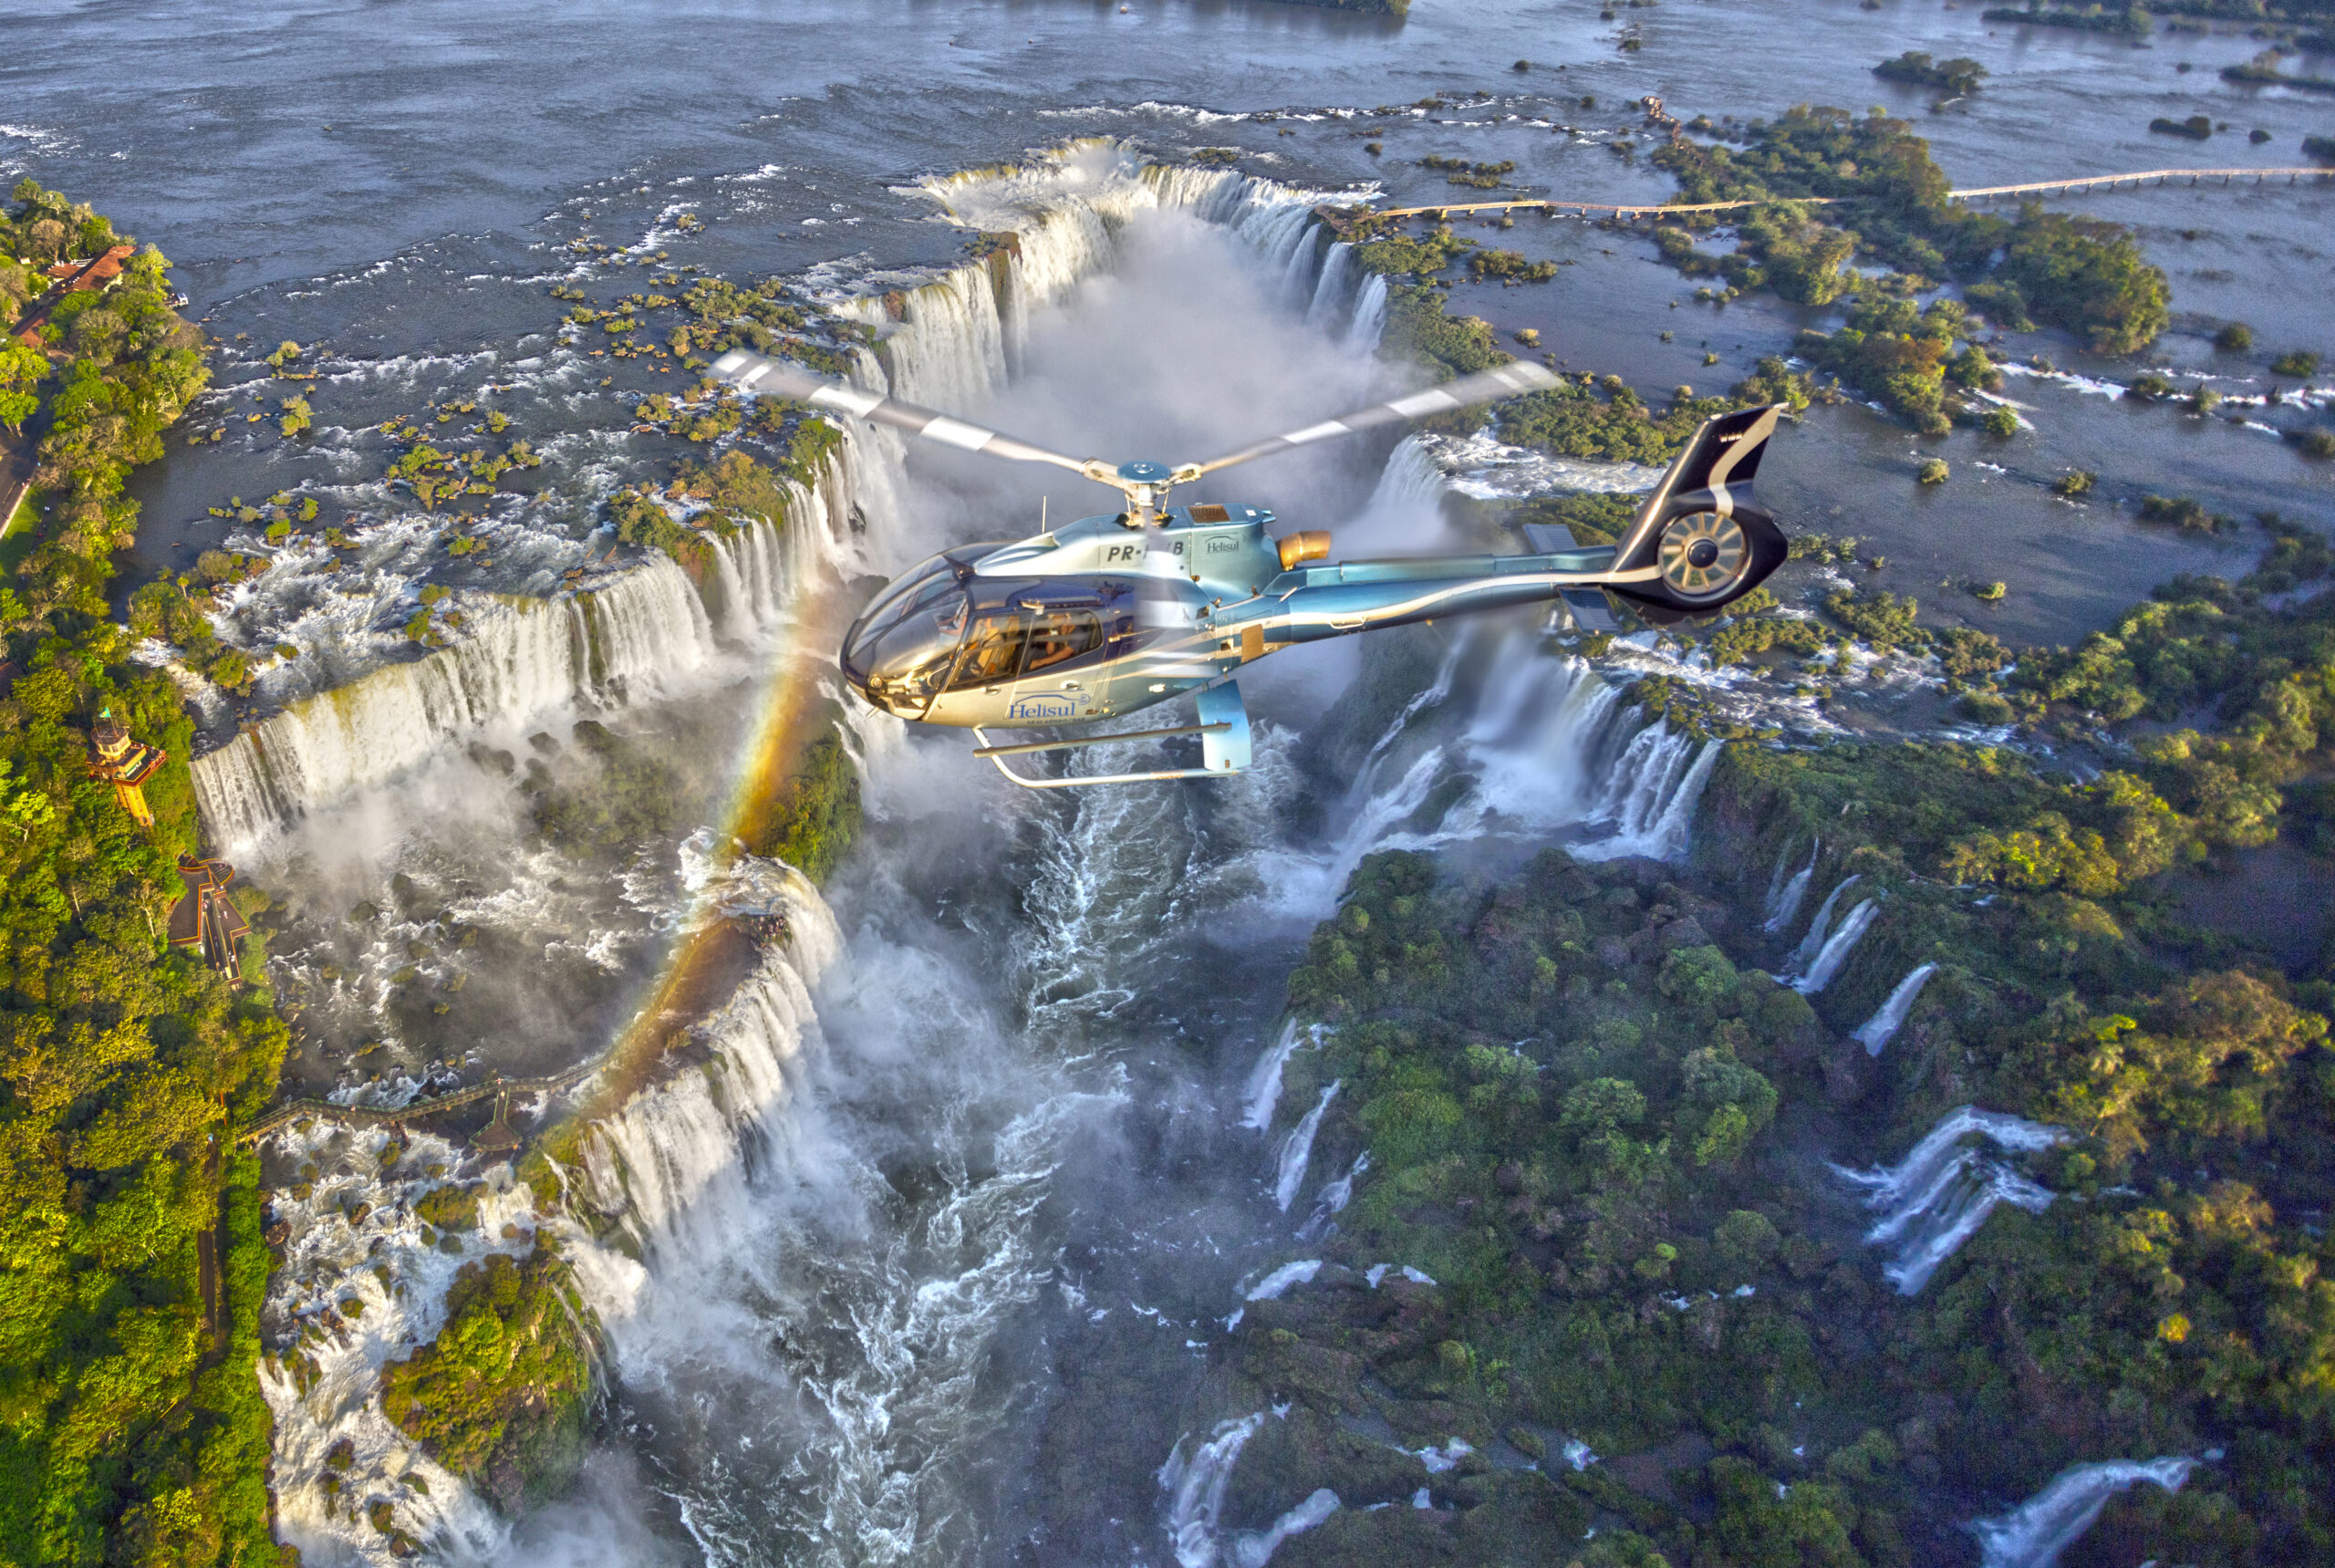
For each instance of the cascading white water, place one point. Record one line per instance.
(1935, 1198)
(1826, 965)
(1549, 748)
(650, 1164)
(1196, 1488)
(1332, 1201)
(361, 1286)
(1410, 485)
(1877, 1031)
(1369, 322)
(1275, 1285)
(1333, 289)
(1651, 797)
(512, 661)
(669, 1166)
(1297, 1150)
(1255, 1548)
(2033, 1535)
(1784, 897)
(1812, 942)
(1264, 1080)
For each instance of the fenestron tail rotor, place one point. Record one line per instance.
(1145, 483)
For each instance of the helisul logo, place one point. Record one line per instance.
(1042, 709)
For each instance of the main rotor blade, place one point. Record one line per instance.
(757, 373)
(1503, 381)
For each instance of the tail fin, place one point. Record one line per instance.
(1710, 480)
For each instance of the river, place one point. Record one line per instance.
(942, 1289)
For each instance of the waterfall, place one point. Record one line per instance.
(1264, 1080)
(962, 334)
(1273, 1286)
(1196, 1488)
(1409, 484)
(1935, 1199)
(1651, 797)
(1784, 897)
(1836, 949)
(1332, 289)
(1813, 943)
(2033, 1535)
(514, 660)
(1551, 748)
(1369, 316)
(1878, 1029)
(1365, 777)
(651, 1164)
(1332, 1201)
(1255, 1548)
(332, 1322)
(1296, 1149)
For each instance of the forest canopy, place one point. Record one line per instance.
(132, 1268)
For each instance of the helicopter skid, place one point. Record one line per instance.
(1223, 730)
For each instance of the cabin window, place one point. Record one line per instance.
(994, 650)
(1059, 639)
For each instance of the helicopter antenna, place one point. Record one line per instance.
(1145, 483)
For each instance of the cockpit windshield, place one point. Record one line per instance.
(901, 657)
(905, 592)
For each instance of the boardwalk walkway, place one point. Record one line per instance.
(2075, 186)
(280, 1117)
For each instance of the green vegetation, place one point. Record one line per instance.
(1957, 76)
(1906, 359)
(2130, 21)
(2182, 513)
(1592, 1124)
(2075, 483)
(1933, 470)
(2090, 277)
(734, 492)
(133, 1428)
(1509, 267)
(2263, 72)
(1402, 255)
(814, 816)
(2086, 275)
(1419, 328)
(1882, 620)
(1481, 176)
(1586, 418)
(2196, 128)
(1594, 519)
(2295, 362)
(502, 1396)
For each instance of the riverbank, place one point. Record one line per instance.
(138, 1269)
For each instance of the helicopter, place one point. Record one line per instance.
(1114, 613)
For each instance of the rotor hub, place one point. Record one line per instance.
(1144, 472)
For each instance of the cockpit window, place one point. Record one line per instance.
(992, 653)
(1059, 639)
